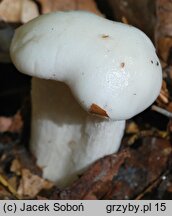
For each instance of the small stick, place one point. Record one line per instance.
(5, 183)
(162, 111)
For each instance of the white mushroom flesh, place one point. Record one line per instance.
(64, 138)
(111, 69)
(106, 63)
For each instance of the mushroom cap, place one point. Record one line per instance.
(111, 68)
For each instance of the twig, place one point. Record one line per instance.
(162, 111)
(151, 186)
(8, 186)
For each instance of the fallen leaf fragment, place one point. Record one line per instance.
(6, 184)
(31, 184)
(5, 124)
(16, 167)
(145, 167)
(53, 5)
(163, 97)
(10, 10)
(29, 11)
(96, 181)
(18, 11)
(163, 32)
(11, 124)
(132, 127)
(5, 194)
(132, 12)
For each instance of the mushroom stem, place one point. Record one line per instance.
(64, 138)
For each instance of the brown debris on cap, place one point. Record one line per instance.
(95, 109)
(122, 65)
(105, 36)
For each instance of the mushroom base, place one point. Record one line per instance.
(64, 138)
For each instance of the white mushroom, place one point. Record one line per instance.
(111, 69)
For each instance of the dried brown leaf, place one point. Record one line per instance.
(11, 124)
(63, 5)
(29, 11)
(146, 164)
(163, 98)
(5, 194)
(6, 183)
(96, 181)
(31, 184)
(18, 11)
(132, 127)
(16, 167)
(132, 12)
(5, 124)
(163, 33)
